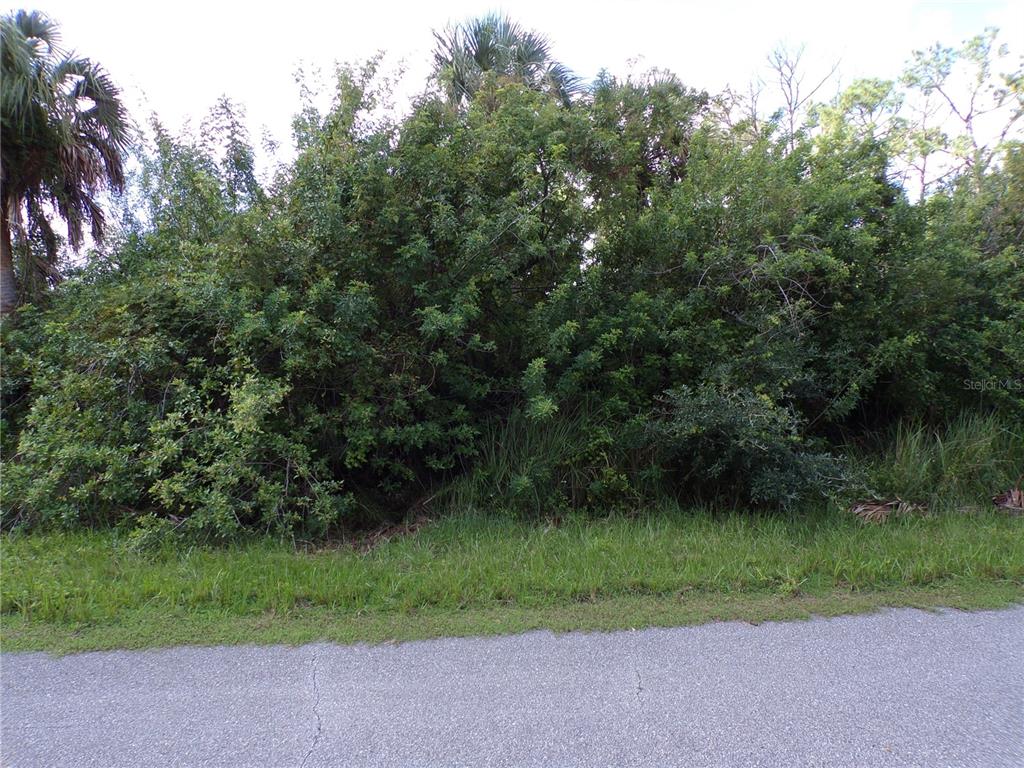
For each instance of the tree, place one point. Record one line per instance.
(226, 138)
(494, 43)
(982, 104)
(64, 135)
(796, 100)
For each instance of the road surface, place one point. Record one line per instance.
(901, 688)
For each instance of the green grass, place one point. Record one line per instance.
(476, 575)
(960, 464)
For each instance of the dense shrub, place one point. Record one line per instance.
(522, 302)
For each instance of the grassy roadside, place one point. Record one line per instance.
(478, 575)
(154, 629)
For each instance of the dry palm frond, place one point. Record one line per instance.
(878, 511)
(1012, 501)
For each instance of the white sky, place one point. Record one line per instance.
(176, 58)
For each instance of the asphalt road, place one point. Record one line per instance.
(903, 688)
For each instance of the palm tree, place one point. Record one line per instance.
(63, 137)
(495, 43)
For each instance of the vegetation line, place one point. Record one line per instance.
(67, 586)
(615, 352)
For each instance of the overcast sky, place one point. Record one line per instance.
(176, 58)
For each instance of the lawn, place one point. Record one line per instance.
(475, 574)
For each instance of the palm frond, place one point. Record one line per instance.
(63, 136)
(495, 43)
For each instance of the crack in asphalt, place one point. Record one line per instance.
(316, 712)
(639, 686)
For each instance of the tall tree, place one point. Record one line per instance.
(64, 135)
(495, 43)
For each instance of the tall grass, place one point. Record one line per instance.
(541, 467)
(529, 466)
(475, 560)
(960, 465)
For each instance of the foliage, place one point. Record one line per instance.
(508, 300)
(465, 55)
(64, 134)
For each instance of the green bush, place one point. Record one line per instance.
(741, 445)
(509, 302)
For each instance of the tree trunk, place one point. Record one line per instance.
(8, 286)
